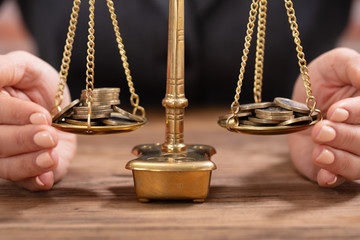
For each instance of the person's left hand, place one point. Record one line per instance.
(33, 154)
(329, 153)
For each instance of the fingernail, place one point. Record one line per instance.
(44, 139)
(325, 157)
(339, 115)
(4, 92)
(39, 182)
(333, 181)
(326, 134)
(44, 160)
(38, 119)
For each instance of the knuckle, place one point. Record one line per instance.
(22, 139)
(343, 165)
(347, 138)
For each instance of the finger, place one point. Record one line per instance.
(4, 93)
(329, 179)
(337, 161)
(14, 111)
(301, 146)
(42, 182)
(19, 69)
(342, 136)
(23, 166)
(15, 140)
(346, 110)
(61, 169)
(340, 67)
(24, 71)
(68, 142)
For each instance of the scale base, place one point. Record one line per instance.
(172, 176)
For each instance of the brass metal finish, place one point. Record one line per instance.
(264, 130)
(97, 130)
(232, 123)
(260, 51)
(175, 101)
(89, 96)
(181, 176)
(283, 116)
(104, 121)
(65, 63)
(173, 170)
(151, 158)
(249, 32)
(66, 111)
(172, 185)
(134, 98)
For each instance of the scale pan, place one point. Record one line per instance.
(265, 130)
(98, 130)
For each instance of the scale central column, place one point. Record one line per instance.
(173, 170)
(175, 101)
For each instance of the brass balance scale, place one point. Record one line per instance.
(175, 170)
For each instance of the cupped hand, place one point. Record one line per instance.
(32, 153)
(329, 153)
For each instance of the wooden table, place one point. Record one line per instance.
(255, 194)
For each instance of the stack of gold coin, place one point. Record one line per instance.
(280, 112)
(102, 97)
(97, 112)
(102, 100)
(103, 110)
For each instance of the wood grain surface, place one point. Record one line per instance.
(255, 194)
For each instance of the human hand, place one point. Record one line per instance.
(32, 153)
(329, 153)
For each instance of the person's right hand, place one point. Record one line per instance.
(329, 152)
(32, 153)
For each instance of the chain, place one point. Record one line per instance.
(90, 65)
(65, 63)
(134, 98)
(260, 51)
(235, 106)
(310, 100)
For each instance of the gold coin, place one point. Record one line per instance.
(274, 111)
(93, 108)
(101, 93)
(79, 123)
(250, 123)
(117, 115)
(239, 115)
(67, 111)
(116, 121)
(102, 96)
(279, 118)
(263, 121)
(103, 100)
(121, 113)
(252, 106)
(112, 103)
(291, 105)
(100, 103)
(303, 119)
(93, 116)
(93, 112)
(103, 90)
